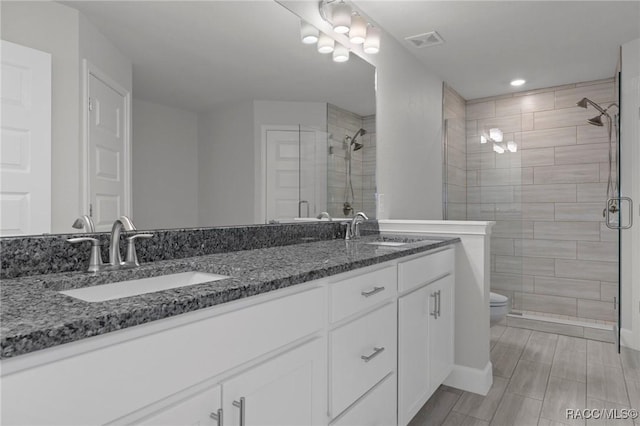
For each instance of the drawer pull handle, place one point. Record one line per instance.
(241, 405)
(376, 352)
(372, 292)
(217, 416)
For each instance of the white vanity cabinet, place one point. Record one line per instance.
(366, 347)
(280, 391)
(425, 329)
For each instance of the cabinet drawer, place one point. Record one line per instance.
(355, 294)
(362, 353)
(424, 269)
(378, 407)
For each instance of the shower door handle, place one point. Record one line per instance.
(614, 205)
(300, 203)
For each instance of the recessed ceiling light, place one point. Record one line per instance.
(518, 82)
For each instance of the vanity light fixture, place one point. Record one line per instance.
(372, 42)
(518, 82)
(340, 53)
(512, 146)
(325, 43)
(483, 139)
(341, 17)
(499, 148)
(345, 21)
(358, 30)
(308, 33)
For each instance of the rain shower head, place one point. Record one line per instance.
(584, 102)
(596, 121)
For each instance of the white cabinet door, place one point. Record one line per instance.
(195, 410)
(413, 352)
(286, 390)
(441, 332)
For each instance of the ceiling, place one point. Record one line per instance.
(489, 43)
(196, 55)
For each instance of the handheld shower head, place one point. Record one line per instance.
(357, 145)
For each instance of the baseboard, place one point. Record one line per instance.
(628, 340)
(471, 379)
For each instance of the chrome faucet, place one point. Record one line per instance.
(115, 259)
(85, 222)
(324, 214)
(353, 231)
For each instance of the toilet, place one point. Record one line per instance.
(499, 306)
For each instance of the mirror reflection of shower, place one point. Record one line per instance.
(352, 145)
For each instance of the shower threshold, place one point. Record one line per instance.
(569, 326)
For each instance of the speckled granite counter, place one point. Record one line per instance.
(35, 316)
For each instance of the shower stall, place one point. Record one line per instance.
(546, 171)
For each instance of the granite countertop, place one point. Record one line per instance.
(34, 315)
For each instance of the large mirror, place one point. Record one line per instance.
(233, 120)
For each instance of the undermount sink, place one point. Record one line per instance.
(117, 290)
(387, 243)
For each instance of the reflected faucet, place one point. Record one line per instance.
(85, 222)
(324, 214)
(115, 258)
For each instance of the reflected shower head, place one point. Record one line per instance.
(596, 121)
(582, 103)
(356, 145)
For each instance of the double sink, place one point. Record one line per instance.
(136, 287)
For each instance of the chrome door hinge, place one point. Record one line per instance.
(90, 104)
(91, 210)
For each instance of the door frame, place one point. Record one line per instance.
(89, 69)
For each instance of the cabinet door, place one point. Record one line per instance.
(441, 332)
(413, 352)
(289, 389)
(195, 410)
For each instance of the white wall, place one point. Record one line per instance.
(54, 28)
(226, 172)
(165, 166)
(630, 187)
(308, 114)
(409, 126)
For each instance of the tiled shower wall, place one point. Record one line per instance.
(342, 123)
(551, 251)
(455, 155)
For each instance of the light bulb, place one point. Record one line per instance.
(498, 148)
(308, 33)
(358, 31)
(483, 139)
(372, 41)
(340, 53)
(325, 43)
(512, 146)
(341, 18)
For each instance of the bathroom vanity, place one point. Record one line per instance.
(326, 332)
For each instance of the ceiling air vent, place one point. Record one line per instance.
(425, 40)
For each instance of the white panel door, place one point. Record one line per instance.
(287, 390)
(108, 152)
(25, 141)
(283, 180)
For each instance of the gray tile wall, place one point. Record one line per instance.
(342, 123)
(551, 251)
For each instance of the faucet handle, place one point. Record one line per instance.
(95, 259)
(132, 257)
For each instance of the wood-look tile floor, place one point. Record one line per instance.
(536, 378)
